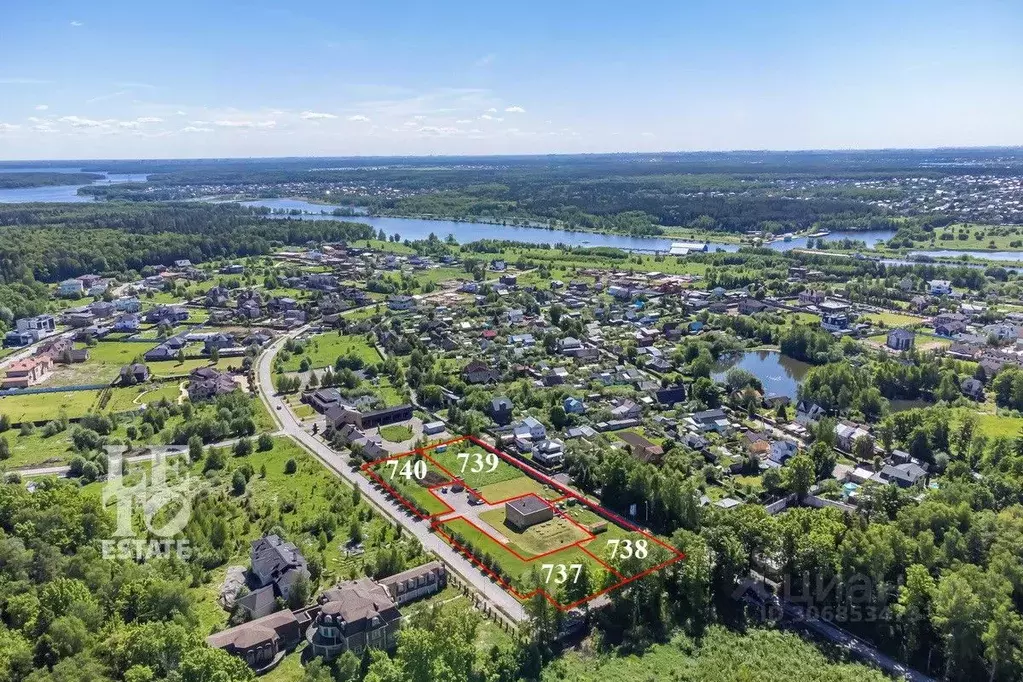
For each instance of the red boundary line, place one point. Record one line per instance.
(438, 525)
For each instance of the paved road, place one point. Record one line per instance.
(337, 462)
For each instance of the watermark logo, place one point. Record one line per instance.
(802, 598)
(164, 495)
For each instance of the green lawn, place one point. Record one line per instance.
(127, 398)
(395, 433)
(474, 468)
(45, 406)
(323, 350)
(514, 487)
(890, 319)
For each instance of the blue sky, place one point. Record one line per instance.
(191, 79)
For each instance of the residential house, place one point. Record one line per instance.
(524, 512)
(670, 396)
(751, 306)
(501, 410)
(70, 288)
(401, 302)
(28, 371)
(939, 287)
(973, 388)
(811, 298)
(206, 382)
(275, 569)
(834, 316)
(710, 420)
(641, 448)
(550, 453)
(904, 475)
(900, 339)
(847, 433)
(135, 373)
(355, 616)
(262, 642)
(530, 428)
(809, 413)
(479, 372)
(416, 583)
(573, 405)
(127, 322)
(340, 415)
(626, 409)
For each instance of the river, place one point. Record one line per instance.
(464, 232)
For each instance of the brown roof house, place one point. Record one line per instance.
(205, 383)
(353, 616)
(261, 643)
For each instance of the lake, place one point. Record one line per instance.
(778, 373)
(59, 193)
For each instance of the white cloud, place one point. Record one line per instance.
(196, 129)
(647, 134)
(463, 121)
(515, 110)
(359, 118)
(244, 124)
(8, 127)
(149, 119)
(42, 107)
(492, 110)
(79, 122)
(77, 23)
(487, 117)
(315, 115)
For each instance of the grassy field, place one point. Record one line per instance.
(890, 319)
(395, 433)
(323, 350)
(411, 488)
(123, 399)
(45, 406)
(474, 468)
(514, 487)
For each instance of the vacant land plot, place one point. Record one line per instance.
(477, 467)
(890, 319)
(517, 487)
(323, 350)
(402, 475)
(35, 407)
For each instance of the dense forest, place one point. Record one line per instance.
(43, 179)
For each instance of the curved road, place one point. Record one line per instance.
(339, 463)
